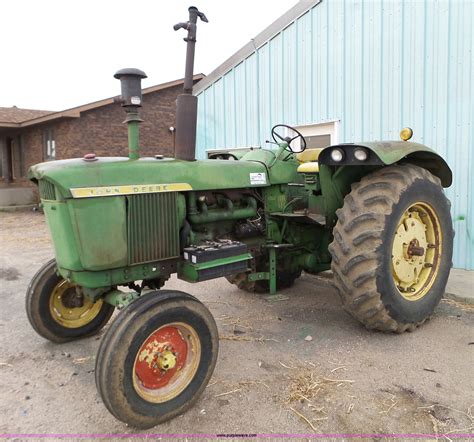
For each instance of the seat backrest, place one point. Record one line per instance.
(309, 155)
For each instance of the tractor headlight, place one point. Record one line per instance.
(337, 155)
(360, 154)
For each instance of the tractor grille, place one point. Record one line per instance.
(152, 228)
(46, 190)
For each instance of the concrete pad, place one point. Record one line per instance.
(370, 383)
(461, 286)
(27, 207)
(16, 196)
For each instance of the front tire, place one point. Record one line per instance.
(156, 358)
(392, 248)
(57, 313)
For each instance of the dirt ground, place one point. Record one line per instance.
(268, 379)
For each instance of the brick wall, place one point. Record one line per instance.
(101, 131)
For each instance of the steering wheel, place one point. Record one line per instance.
(289, 139)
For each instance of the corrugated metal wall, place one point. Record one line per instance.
(377, 66)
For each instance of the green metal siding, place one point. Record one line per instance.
(376, 66)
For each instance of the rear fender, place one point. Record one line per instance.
(384, 153)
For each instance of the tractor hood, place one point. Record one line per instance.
(78, 176)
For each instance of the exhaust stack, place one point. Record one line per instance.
(131, 99)
(186, 104)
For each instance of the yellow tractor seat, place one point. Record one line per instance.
(309, 160)
(309, 167)
(309, 155)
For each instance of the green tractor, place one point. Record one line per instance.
(374, 213)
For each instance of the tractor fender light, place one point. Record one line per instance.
(337, 155)
(360, 154)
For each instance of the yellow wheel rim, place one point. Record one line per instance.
(67, 310)
(416, 251)
(166, 362)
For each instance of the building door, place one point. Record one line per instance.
(11, 159)
(6, 159)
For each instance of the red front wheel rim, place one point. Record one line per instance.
(166, 362)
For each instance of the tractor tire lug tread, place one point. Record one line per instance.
(357, 246)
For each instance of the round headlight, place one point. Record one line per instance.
(337, 155)
(360, 154)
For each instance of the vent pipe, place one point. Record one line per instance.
(186, 104)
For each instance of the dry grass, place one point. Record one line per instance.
(440, 427)
(307, 392)
(236, 387)
(261, 339)
(235, 322)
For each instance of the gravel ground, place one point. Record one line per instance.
(268, 379)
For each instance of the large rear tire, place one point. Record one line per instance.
(392, 248)
(156, 358)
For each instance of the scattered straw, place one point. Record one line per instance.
(392, 404)
(245, 383)
(307, 385)
(246, 338)
(235, 322)
(286, 366)
(350, 381)
(302, 416)
(238, 386)
(228, 392)
(467, 414)
(81, 360)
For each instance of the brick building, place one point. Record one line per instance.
(29, 136)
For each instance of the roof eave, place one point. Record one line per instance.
(254, 44)
(75, 112)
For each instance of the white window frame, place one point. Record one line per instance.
(325, 127)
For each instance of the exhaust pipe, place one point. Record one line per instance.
(186, 104)
(131, 100)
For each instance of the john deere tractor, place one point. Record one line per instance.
(373, 212)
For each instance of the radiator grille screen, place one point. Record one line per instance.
(46, 190)
(153, 231)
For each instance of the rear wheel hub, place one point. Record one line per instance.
(416, 250)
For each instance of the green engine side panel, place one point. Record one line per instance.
(62, 234)
(100, 229)
(89, 233)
